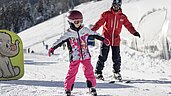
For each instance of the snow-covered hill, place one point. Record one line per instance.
(148, 18)
(44, 75)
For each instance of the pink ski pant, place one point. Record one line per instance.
(73, 69)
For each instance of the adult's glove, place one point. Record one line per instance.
(106, 41)
(137, 34)
(50, 51)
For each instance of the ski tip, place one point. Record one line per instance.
(112, 82)
(127, 81)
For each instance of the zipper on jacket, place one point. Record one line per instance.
(113, 33)
(79, 41)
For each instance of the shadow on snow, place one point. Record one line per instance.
(81, 84)
(61, 83)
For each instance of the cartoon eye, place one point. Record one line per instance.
(7, 45)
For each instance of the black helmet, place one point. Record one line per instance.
(119, 2)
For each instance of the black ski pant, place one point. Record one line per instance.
(116, 58)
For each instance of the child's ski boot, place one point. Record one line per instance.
(92, 91)
(68, 92)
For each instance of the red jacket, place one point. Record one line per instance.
(112, 24)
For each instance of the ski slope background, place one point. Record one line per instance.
(44, 75)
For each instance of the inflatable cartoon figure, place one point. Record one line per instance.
(8, 50)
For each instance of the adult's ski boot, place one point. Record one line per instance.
(117, 76)
(99, 76)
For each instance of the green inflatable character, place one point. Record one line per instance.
(11, 56)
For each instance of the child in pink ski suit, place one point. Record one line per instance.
(76, 38)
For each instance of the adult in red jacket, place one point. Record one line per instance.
(112, 21)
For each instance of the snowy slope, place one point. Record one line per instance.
(44, 76)
(148, 19)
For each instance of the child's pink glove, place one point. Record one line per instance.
(106, 41)
(50, 51)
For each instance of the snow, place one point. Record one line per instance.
(44, 76)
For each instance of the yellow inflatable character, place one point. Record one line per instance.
(11, 56)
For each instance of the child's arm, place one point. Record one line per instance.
(99, 37)
(104, 40)
(94, 34)
(58, 43)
